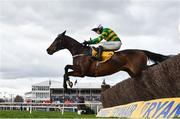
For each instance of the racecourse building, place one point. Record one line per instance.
(53, 91)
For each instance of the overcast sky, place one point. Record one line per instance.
(28, 27)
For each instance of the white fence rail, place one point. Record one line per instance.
(48, 106)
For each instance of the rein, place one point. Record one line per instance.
(82, 54)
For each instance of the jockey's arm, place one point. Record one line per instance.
(98, 39)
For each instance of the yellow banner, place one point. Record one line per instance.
(160, 108)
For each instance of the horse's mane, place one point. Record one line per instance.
(75, 42)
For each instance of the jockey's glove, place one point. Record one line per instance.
(85, 43)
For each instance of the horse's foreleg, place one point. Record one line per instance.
(73, 73)
(66, 75)
(67, 67)
(66, 78)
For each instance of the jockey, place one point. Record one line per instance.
(113, 41)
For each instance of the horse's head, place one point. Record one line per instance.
(57, 45)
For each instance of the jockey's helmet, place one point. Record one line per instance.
(99, 28)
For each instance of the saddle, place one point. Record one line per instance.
(106, 55)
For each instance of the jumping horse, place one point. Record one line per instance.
(133, 61)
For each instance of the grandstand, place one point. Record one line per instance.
(52, 91)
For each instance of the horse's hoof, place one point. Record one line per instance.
(70, 84)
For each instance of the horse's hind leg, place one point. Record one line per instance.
(133, 71)
(130, 72)
(136, 72)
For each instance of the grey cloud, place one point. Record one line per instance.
(75, 15)
(151, 18)
(30, 27)
(51, 14)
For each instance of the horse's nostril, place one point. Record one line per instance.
(48, 51)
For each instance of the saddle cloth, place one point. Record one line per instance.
(106, 55)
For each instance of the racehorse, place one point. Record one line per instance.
(133, 61)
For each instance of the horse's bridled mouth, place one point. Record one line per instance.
(50, 53)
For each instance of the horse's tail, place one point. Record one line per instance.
(157, 58)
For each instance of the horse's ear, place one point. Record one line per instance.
(64, 32)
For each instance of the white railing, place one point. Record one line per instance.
(47, 106)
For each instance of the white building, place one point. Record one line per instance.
(53, 91)
(28, 97)
(41, 91)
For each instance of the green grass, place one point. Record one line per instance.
(41, 114)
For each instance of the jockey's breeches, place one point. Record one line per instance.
(111, 45)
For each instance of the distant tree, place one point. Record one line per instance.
(2, 100)
(18, 99)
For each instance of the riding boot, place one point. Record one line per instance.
(100, 53)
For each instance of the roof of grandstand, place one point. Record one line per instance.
(58, 84)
